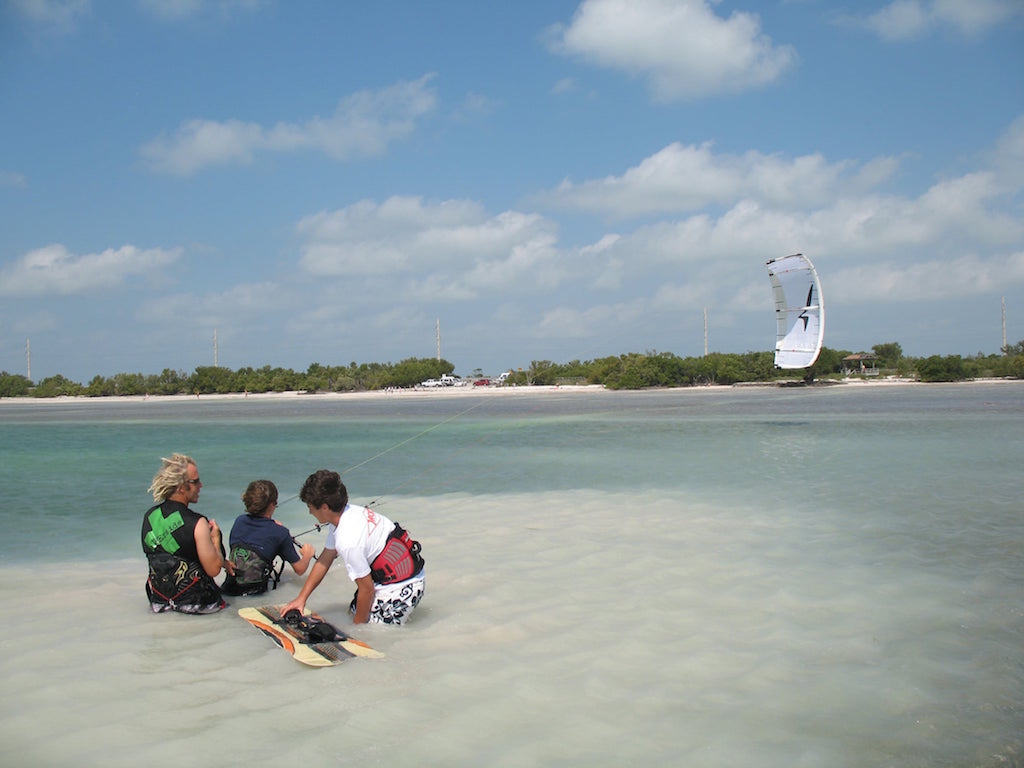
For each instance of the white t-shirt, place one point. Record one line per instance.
(360, 536)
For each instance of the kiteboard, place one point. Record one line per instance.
(308, 638)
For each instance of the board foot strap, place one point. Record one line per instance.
(313, 630)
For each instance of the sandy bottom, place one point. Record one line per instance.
(557, 629)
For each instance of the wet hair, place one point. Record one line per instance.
(172, 474)
(325, 487)
(258, 497)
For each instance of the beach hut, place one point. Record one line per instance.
(863, 363)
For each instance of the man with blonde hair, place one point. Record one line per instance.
(183, 547)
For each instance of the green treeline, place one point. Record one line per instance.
(664, 369)
(209, 380)
(628, 371)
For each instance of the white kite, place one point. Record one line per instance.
(799, 311)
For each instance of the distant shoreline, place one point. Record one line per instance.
(504, 391)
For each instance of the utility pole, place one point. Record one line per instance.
(1004, 325)
(705, 331)
(439, 339)
(215, 348)
(28, 357)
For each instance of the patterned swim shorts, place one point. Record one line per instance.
(393, 603)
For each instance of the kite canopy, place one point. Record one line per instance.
(799, 311)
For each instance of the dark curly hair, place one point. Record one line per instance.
(325, 487)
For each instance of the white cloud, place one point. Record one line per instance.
(741, 211)
(672, 296)
(474, 105)
(1007, 160)
(64, 13)
(959, 277)
(409, 260)
(567, 322)
(565, 85)
(451, 248)
(245, 299)
(59, 13)
(683, 178)
(955, 228)
(682, 47)
(364, 124)
(773, 205)
(243, 305)
(171, 9)
(900, 19)
(53, 270)
(12, 179)
(903, 19)
(174, 10)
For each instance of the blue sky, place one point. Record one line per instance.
(324, 182)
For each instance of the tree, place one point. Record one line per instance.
(1012, 350)
(412, 371)
(100, 387)
(1017, 366)
(14, 385)
(318, 378)
(633, 371)
(829, 361)
(169, 382)
(541, 372)
(889, 354)
(210, 379)
(937, 368)
(130, 384)
(57, 386)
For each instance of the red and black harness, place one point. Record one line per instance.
(399, 560)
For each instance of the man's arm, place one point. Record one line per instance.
(320, 568)
(208, 546)
(306, 552)
(364, 599)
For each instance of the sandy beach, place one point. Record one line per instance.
(490, 391)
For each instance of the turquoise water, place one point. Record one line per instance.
(931, 454)
(745, 576)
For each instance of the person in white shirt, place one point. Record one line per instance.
(379, 555)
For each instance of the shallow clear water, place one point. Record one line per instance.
(823, 577)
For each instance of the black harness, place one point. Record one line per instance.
(253, 574)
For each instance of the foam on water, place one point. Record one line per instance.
(862, 615)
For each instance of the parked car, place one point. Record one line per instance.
(481, 382)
